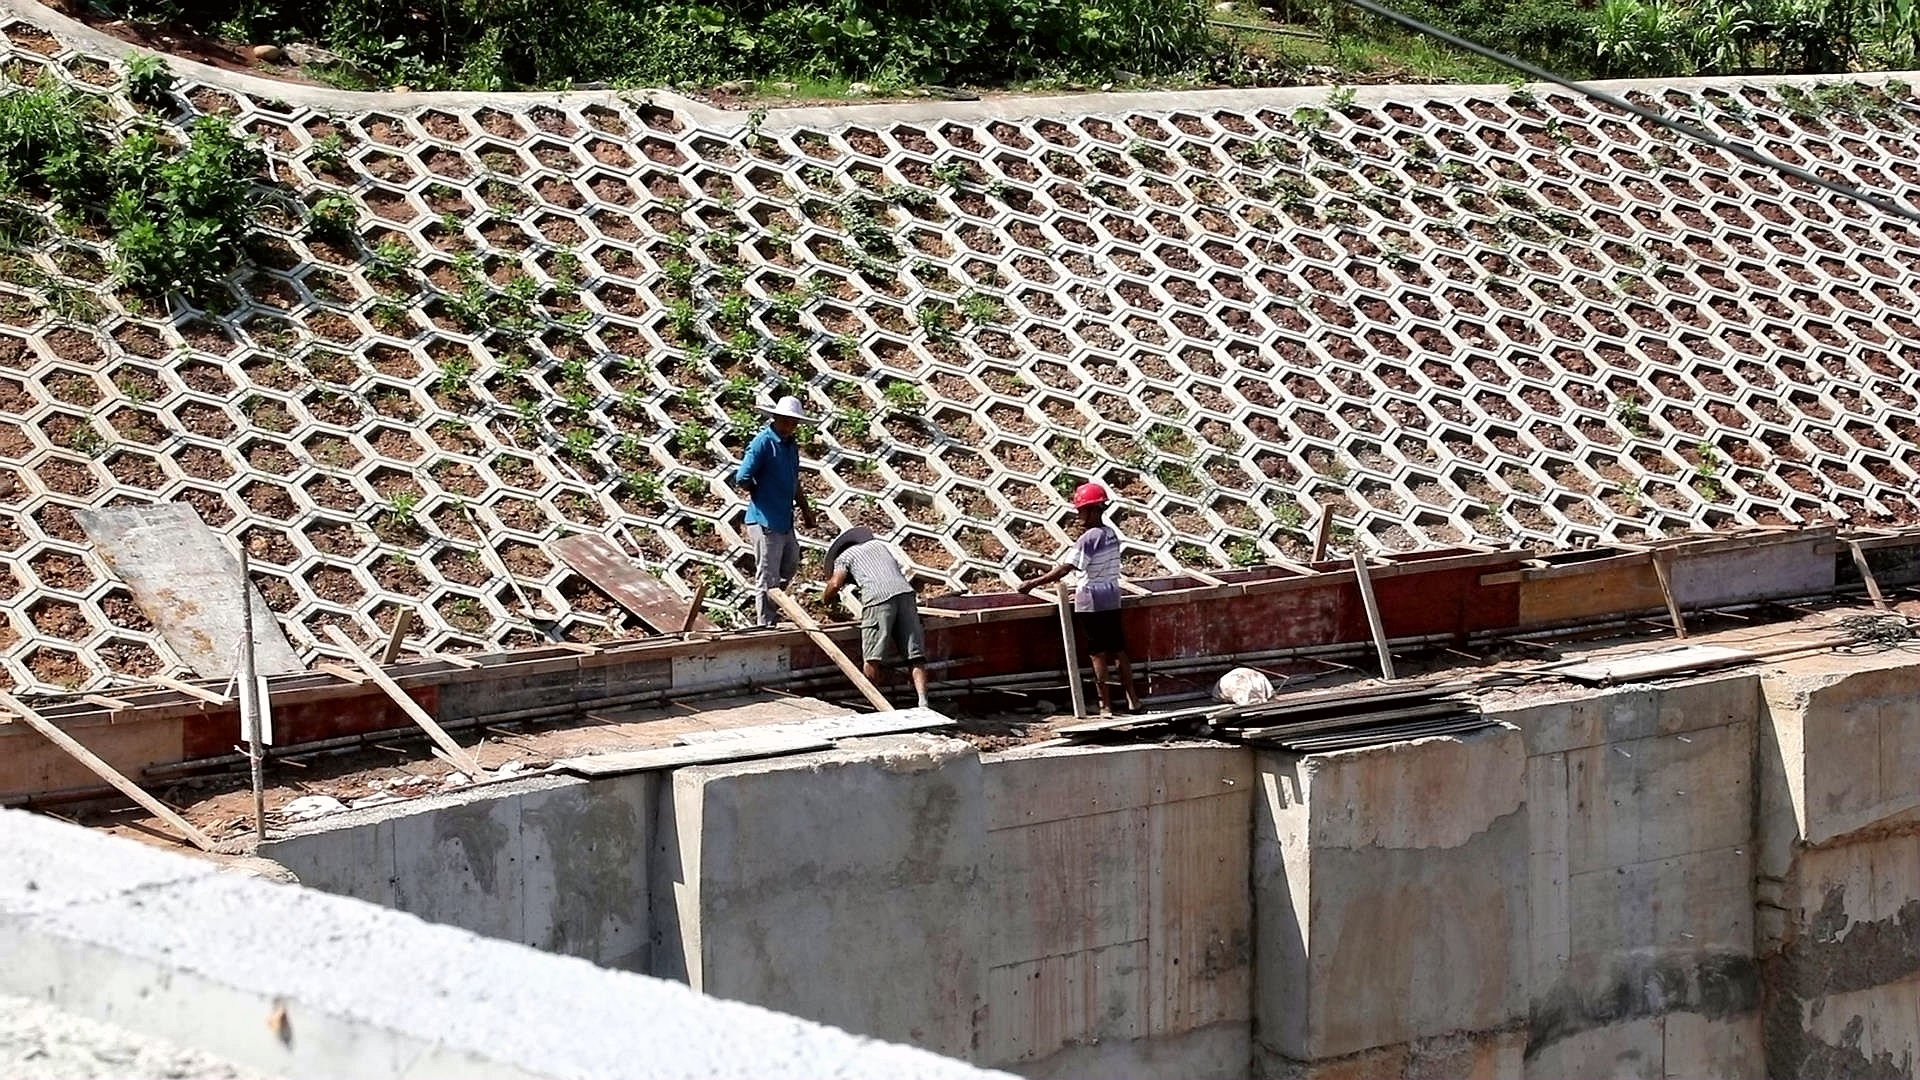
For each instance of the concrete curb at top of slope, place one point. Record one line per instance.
(722, 121)
(298, 983)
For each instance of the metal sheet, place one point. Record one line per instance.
(612, 572)
(185, 580)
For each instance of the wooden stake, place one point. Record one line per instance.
(841, 660)
(211, 697)
(1666, 593)
(693, 607)
(1064, 598)
(1322, 535)
(1866, 575)
(249, 687)
(461, 758)
(105, 771)
(396, 638)
(1374, 622)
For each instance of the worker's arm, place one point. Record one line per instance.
(749, 470)
(800, 500)
(834, 584)
(1047, 578)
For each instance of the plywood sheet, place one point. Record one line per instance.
(186, 581)
(1647, 665)
(612, 572)
(850, 726)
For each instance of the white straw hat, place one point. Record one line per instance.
(790, 408)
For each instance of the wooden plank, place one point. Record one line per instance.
(693, 607)
(705, 753)
(396, 638)
(1321, 536)
(211, 697)
(1374, 622)
(462, 759)
(1661, 571)
(825, 644)
(106, 772)
(1065, 601)
(1649, 664)
(181, 574)
(1866, 574)
(850, 726)
(595, 558)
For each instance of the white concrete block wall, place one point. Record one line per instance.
(1119, 939)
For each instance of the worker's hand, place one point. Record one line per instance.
(1024, 587)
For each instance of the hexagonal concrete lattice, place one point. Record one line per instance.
(1447, 314)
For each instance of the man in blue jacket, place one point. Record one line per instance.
(769, 474)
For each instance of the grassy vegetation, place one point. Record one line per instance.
(823, 43)
(176, 201)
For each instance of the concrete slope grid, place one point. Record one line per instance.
(1448, 313)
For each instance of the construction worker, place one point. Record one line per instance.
(889, 609)
(1096, 599)
(769, 474)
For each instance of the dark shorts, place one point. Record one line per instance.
(1102, 631)
(895, 622)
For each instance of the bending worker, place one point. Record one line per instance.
(770, 476)
(889, 610)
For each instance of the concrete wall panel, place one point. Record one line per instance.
(1845, 743)
(1118, 883)
(842, 886)
(558, 864)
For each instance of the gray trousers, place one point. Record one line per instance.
(776, 558)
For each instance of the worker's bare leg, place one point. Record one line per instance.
(1126, 683)
(1100, 682)
(871, 669)
(919, 672)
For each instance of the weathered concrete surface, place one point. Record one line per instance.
(556, 863)
(40, 1042)
(1840, 822)
(843, 886)
(297, 983)
(1394, 896)
(1640, 806)
(1119, 931)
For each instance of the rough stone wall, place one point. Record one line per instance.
(1447, 313)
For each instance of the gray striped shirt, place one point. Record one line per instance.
(875, 571)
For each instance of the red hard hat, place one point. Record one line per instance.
(1089, 495)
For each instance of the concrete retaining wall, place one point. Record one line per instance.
(1573, 893)
(1840, 869)
(558, 864)
(292, 982)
